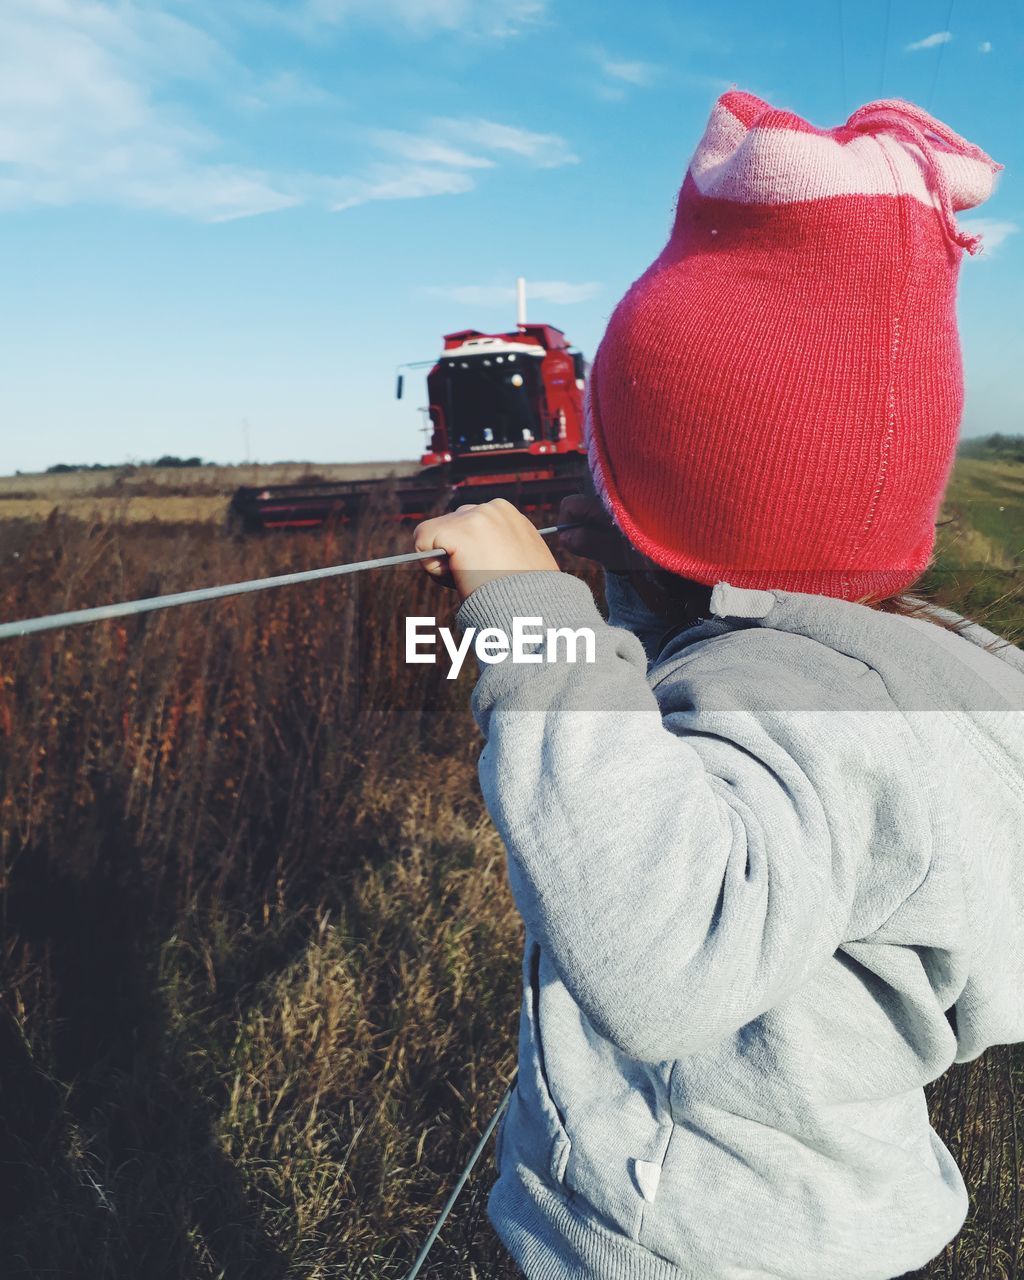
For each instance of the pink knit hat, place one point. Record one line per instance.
(776, 400)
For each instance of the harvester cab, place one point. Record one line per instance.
(499, 401)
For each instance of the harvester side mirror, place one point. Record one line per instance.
(398, 387)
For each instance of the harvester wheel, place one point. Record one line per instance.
(234, 525)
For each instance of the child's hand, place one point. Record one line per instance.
(483, 542)
(597, 538)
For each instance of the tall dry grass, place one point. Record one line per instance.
(259, 954)
(260, 964)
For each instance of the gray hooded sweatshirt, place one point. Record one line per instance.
(772, 884)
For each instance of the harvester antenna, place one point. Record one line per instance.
(521, 302)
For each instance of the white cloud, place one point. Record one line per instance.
(639, 74)
(546, 150)
(929, 42)
(994, 231)
(636, 73)
(213, 193)
(558, 292)
(80, 119)
(426, 150)
(618, 74)
(473, 18)
(288, 89)
(90, 112)
(388, 182)
(517, 18)
(438, 165)
(610, 92)
(985, 46)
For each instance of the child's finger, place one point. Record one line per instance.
(429, 536)
(439, 571)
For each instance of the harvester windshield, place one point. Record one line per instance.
(492, 401)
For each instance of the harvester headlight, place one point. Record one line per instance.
(516, 379)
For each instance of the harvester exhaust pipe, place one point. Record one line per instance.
(521, 301)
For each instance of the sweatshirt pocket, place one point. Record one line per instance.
(540, 1130)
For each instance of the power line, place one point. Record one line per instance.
(947, 29)
(885, 48)
(127, 608)
(842, 57)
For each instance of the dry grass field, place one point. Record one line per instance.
(260, 963)
(171, 495)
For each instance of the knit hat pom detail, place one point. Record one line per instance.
(961, 173)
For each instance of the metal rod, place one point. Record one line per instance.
(127, 608)
(449, 1204)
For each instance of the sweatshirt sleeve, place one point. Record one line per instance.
(675, 862)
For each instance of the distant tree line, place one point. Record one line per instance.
(995, 445)
(168, 460)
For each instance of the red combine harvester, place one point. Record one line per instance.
(507, 416)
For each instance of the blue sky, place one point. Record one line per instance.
(250, 211)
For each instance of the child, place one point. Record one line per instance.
(768, 848)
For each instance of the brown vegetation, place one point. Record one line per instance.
(260, 961)
(150, 481)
